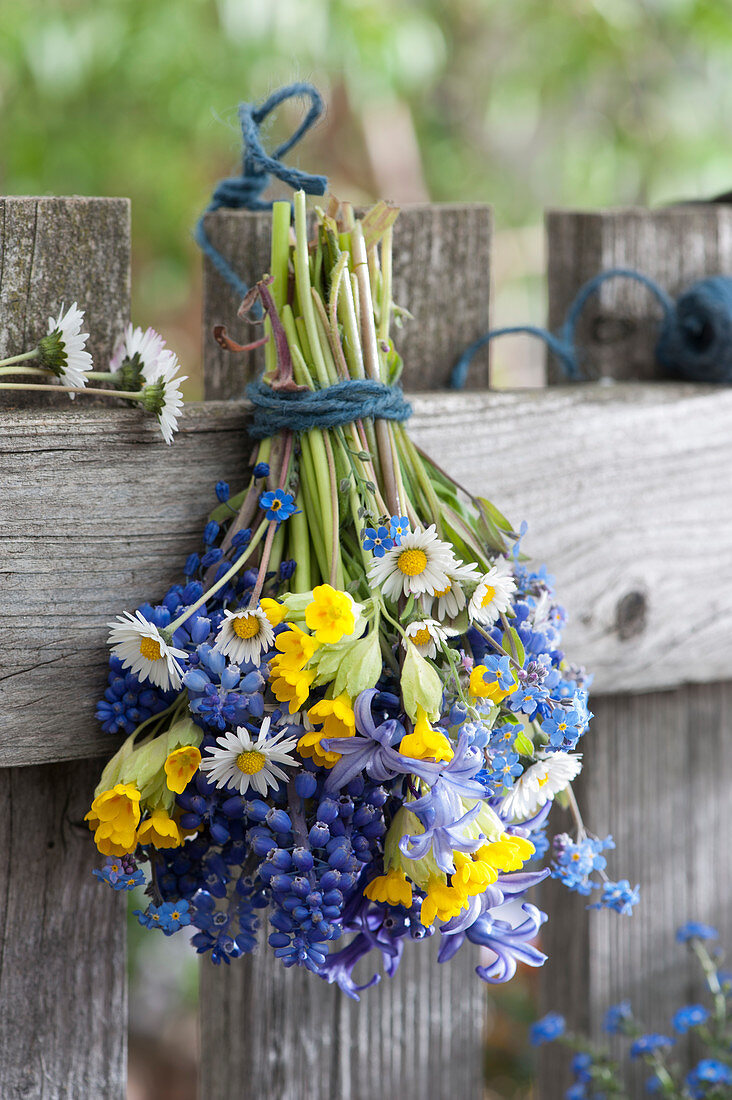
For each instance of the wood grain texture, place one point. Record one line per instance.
(96, 516)
(54, 251)
(441, 275)
(285, 1035)
(63, 985)
(619, 327)
(657, 776)
(630, 480)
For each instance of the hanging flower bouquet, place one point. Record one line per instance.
(354, 713)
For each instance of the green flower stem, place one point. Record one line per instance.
(41, 371)
(416, 465)
(256, 539)
(385, 304)
(712, 977)
(378, 602)
(103, 375)
(264, 561)
(308, 483)
(302, 282)
(126, 395)
(336, 566)
(372, 365)
(279, 258)
(298, 546)
(20, 358)
(496, 645)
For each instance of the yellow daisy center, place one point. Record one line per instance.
(441, 592)
(412, 562)
(421, 636)
(251, 762)
(490, 595)
(150, 649)
(246, 626)
(542, 779)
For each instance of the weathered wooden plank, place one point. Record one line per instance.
(441, 275)
(640, 455)
(675, 246)
(63, 985)
(292, 1037)
(657, 776)
(54, 251)
(105, 521)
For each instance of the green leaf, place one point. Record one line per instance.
(513, 644)
(524, 745)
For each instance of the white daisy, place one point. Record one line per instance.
(148, 346)
(141, 648)
(493, 594)
(540, 783)
(419, 564)
(162, 394)
(63, 351)
(426, 635)
(452, 599)
(242, 762)
(243, 635)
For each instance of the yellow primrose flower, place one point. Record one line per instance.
(160, 830)
(336, 719)
(114, 816)
(296, 648)
(489, 690)
(442, 901)
(424, 743)
(473, 874)
(275, 611)
(292, 686)
(180, 767)
(331, 615)
(392, 888)
(509, 853)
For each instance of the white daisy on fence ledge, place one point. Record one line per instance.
(243, 635)
(493, 594)
(162, 394)
(420, 563)
(147, 346)
(241, 762)
(63, 352)
(540, 783)
(141, 648)
(426, 634)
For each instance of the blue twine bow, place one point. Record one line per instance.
(331, 407)
(243, 192)
(694, 341)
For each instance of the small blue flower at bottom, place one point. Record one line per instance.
(581, 1065)
(616, 1017)
(168, 917)
(620, 896)
(649, 1044)
(277, 504)
(708, 1072)
(119, 877)
(694, 930)
(377, 541)
(689, 1016)
(547, 1029)
(398, 528)
(576, 1092)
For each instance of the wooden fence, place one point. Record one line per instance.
(625, 490)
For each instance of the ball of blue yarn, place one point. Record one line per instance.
(695, 341)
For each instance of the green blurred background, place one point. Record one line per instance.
(520, 103)
(524, 104)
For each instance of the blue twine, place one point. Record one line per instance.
(243, 192)
(562, 344)
(696, 342)
(331, 407)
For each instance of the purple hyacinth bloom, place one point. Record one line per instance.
(444, 818)
(371, 750)
(509, 944)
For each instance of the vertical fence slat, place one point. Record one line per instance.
(284, 1033)
(658, 766)
(619, 325)
(63, 986)
(63, 1017)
